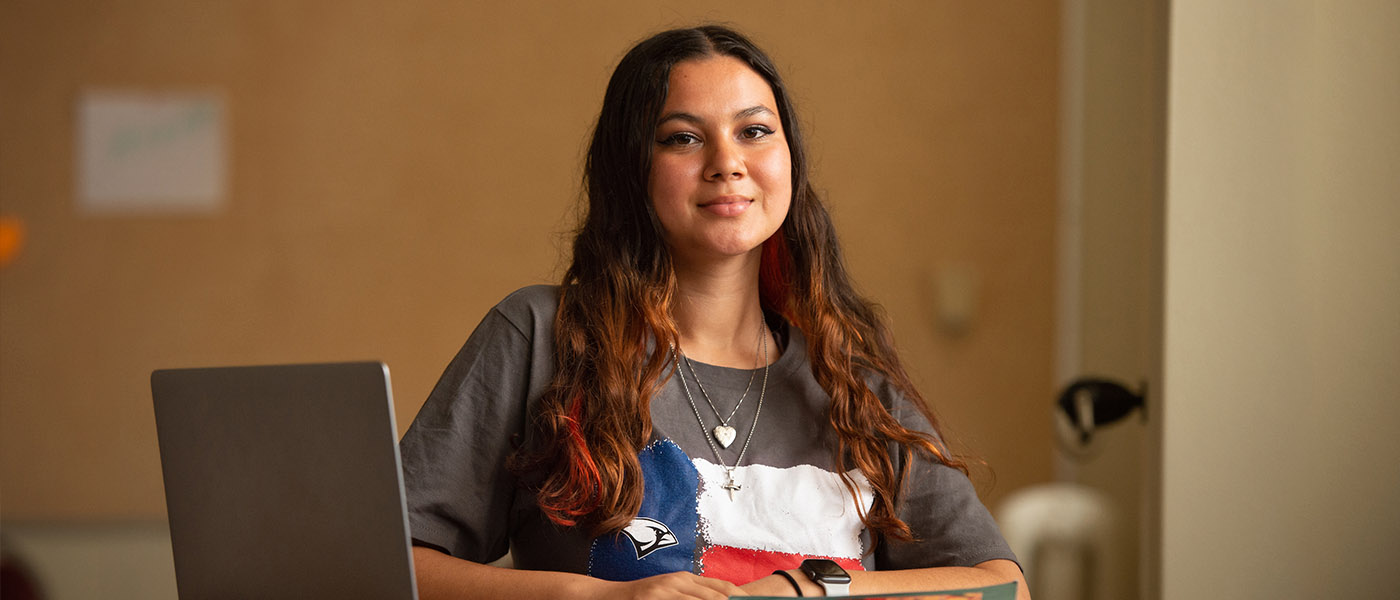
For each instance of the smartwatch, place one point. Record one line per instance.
(834, 580)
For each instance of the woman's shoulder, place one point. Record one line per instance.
(531, 297)
(900, 405)
(531, 308)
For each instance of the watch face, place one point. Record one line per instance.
(820, 569)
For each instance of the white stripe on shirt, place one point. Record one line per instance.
(798, 510)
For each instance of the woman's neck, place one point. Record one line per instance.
(719, 315)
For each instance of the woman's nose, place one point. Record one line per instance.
(726, 161)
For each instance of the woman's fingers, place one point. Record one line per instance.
(676, 586)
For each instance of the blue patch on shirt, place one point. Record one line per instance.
(662, 538)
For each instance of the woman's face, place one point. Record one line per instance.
(721, 175)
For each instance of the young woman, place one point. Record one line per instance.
(704, 407)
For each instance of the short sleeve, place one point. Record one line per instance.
(458, 491)
(952, 527)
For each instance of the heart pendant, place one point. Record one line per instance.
(724, 434)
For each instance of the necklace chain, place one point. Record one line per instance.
(723, 420)
(729, 484)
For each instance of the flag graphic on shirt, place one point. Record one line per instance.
(662, 537)
(688, 522)
(779, 518)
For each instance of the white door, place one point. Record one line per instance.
(1113, 146)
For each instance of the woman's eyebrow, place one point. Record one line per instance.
(680, 116)
(696, 120)
(753, 111)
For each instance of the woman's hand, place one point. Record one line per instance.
(678, 585)
(442, 577)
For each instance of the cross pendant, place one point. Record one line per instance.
(730, 486)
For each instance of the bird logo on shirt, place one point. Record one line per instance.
(649, 535)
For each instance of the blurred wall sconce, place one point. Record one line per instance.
(957, 289)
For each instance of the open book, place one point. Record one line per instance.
(1005, 591)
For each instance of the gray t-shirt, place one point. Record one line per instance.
(791, 503)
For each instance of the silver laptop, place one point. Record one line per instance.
(284, 482)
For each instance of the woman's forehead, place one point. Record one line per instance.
(717, 86)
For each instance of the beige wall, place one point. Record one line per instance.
(398, 167)
(1283, 281)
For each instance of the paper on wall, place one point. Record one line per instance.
(146, 153)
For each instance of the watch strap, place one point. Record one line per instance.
(834, 589)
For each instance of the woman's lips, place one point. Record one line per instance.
(728, 206)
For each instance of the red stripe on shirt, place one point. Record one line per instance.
(742, 565)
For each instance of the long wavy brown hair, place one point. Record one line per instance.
(614, 327)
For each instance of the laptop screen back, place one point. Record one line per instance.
(283, 482)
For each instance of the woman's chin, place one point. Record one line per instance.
(721, 251)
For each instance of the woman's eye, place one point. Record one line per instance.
(754, 132)
(679, 139)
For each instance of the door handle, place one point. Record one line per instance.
(1091, 402)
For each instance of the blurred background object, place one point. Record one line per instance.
(11, 239)
(17, 581)
(1066, 536)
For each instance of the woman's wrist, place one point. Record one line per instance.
(805, 584)
(791, 579)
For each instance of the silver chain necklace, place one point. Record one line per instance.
(729, 484)
(724, 433)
